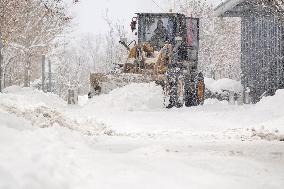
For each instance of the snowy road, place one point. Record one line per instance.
(144, 146)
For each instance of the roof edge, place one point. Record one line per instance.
(225, 6)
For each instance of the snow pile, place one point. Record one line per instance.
(40, 116)
(132, 97)
(269, 113)
(44, 110)
(23, 97)
(41, 158)
(266, 134)
(223, 84)
(272, 104)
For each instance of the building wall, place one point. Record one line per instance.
(227, 48)
(262, 55)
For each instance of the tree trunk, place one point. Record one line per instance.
(1, 62)
(49, 76)
(27, 78)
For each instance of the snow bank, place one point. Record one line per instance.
(223, 84)
(270, 111)
(39, 158)
(26, 97)
(44, 110)
(132, 97)
(274, 104)
(124, 108)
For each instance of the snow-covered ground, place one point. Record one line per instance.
(126, 139)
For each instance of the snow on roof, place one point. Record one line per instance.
(225, 6)
(228, 5)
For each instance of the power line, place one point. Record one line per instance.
(158, 5)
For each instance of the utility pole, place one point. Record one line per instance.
(42, 72)
(49, 76)
(1, 62)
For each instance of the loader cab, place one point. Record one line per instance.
(160, 28)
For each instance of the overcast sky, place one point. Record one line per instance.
(89, 13)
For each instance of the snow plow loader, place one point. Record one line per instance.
(165, 52)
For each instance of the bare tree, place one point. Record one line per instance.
(73, 70)
(31, 27)
(114, 51)
(92, 46)
(219, 53)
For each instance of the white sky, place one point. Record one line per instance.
(89, 13)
